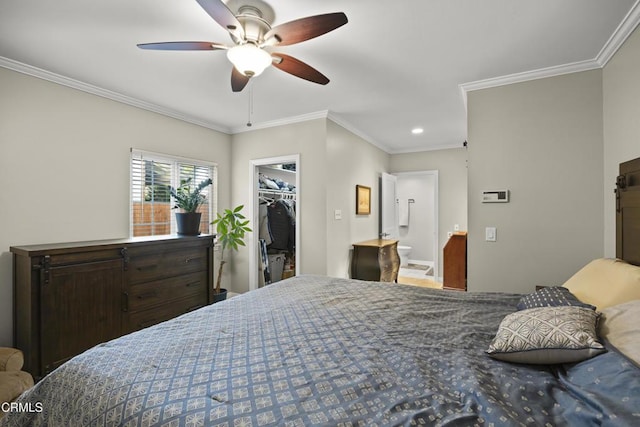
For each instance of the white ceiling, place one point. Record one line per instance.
(394, 66)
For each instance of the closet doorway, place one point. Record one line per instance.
(275, 189)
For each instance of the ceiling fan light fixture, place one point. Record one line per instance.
(249, 59)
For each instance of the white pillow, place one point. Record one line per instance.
(620, 325)
(605, 282)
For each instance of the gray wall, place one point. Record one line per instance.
(621, 88)
(351, 161)
(451, 165)
(308, 139)
(328, 175)
(64, 166)
(543, 140)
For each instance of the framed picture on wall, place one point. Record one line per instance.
(363, 200)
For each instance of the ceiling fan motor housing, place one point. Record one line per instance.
(255, 26)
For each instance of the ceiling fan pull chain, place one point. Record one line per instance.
(250, 112)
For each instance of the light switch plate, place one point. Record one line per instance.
(337, 214)
(490, 234)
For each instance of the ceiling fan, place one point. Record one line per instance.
(251, 31)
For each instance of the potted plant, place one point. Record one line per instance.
(188, 221)
(230, 229)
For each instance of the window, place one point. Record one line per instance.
(151, 174)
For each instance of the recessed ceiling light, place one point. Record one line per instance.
(417, 131)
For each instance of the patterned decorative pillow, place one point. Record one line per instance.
(553, 296)
(547, 335)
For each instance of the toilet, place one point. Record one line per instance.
(403, 252)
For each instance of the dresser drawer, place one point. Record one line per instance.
(146, 268)
(142, 319)
(150, 294)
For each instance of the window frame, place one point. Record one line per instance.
(174, 161)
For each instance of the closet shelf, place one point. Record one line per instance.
(282, 193)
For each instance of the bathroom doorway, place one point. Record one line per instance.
(417, 219)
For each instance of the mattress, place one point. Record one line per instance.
(314, 350)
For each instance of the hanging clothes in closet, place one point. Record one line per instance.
(277, 235)
(282, 225)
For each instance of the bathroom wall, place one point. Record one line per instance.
(420, 233)
(451, 165)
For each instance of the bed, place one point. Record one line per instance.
(314, 350)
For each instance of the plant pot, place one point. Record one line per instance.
(220, 296)
(188, 223)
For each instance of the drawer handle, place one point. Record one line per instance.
(147, 267)
(125, 302)
(192, 284)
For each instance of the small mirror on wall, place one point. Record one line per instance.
(363, 200)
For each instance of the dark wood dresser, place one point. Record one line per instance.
(455, 262)
(71, 296)
(375, 260)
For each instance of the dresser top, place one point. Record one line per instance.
(94, 245)
(378, 243)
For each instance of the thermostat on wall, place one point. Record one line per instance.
(499, 196)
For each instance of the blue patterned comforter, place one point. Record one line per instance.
(322, 351)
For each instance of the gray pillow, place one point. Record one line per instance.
(552, 296)
(547, 335)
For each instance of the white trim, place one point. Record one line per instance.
(436, 209)
(114, 96)
(95, 90)
(429, 148)
(525, 76)
(541, 73)
(620, 35)
(253, 208)
(348, 126)
(163, 156)
(280, 122)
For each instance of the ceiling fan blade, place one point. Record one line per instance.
(182, 46)
(238, 80)
(305, 28)
(294, 66)
(223, 16)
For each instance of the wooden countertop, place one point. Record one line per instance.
(378, 243)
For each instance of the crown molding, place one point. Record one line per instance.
(619, 36)
(348, 126)
(118, 97)
(280, 122)
(541, 73)
(436, 147)
(114, 96)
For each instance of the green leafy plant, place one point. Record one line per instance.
(185, 198)
(231, 227)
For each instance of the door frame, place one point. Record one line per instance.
(436, 227)
(254, 209)
(394, 207)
